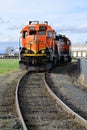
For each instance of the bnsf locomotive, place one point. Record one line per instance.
(41, 47)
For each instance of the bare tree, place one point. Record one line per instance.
(9, 51)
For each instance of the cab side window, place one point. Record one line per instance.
(25, 33)
(50, 34)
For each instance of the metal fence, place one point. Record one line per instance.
(82, 65)
(9, 57)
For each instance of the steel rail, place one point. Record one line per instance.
(17, 103)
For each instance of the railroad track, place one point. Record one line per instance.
(40, 110)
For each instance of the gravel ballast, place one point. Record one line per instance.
(66, 86)
(9, 119)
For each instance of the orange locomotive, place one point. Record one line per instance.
(41, 47)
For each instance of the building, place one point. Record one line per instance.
(79, 50)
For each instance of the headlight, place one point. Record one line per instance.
(43, 51)
(26, 51)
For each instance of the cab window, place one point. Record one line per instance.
(32, 32)
(50, 34)
(25, 33)
(40, 32)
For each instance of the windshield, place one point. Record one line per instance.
(33, 32)
(41, 32)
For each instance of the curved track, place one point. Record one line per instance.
(39, 110)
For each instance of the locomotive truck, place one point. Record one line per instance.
(41, 47)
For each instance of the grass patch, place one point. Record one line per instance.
(7, 65)
(74, 59)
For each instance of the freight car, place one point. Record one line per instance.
(41, 47)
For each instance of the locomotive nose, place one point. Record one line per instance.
(31, 39)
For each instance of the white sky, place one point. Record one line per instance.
(68, 17)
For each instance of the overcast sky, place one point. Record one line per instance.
(68, 17)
